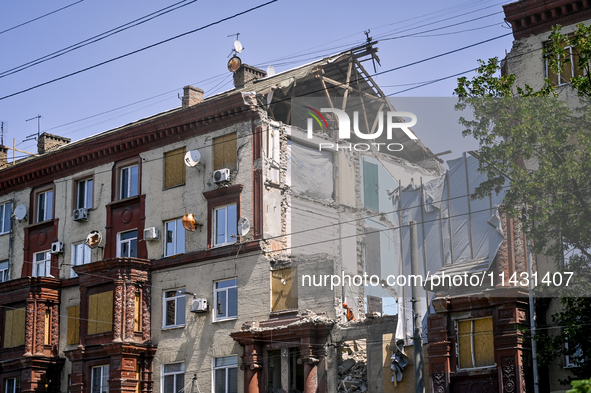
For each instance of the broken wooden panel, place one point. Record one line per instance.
(73, 324)
(100, 312)
(483, 342)
(174, 168)
(14, 328)
(224, 152)
(284, 294)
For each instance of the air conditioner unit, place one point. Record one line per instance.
(199, 305)
(221, 175)
(80, 214)
(57, 247)
(151, 233)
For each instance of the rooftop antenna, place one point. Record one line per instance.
(235, 62)
(33, 136)
(368, 40)
(2, 133)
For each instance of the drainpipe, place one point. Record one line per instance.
(532, 314)
(12, 220)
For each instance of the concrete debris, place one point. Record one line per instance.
(353, 370)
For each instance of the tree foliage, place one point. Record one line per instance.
(543, 147)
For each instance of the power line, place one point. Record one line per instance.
(139, 50)
(39, 17)
(96, 38)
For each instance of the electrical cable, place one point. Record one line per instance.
(39, 17)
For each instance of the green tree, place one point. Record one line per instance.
(534, 139)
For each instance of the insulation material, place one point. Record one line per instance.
(14, 328)
(73, 325)
(309, 171)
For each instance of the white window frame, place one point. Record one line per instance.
(104, 376)
(559, 74)
(46, 216)
(178, 308)
(16, 385)
(46, 261)
(215, 368)
(176, 389)
(88, 189)
(569, 363)
(4, 271)
(5, 221)
(86, 257)
(228, 238)
(128, 185)
(128, 241)
(216, 307)
(178, 237)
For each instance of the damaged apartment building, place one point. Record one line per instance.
(168, 254)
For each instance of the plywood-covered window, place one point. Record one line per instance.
(47, 337)
(224, 152)
(137, 321)
(174, 168)
(74, 324)
(475, 342)
(14, 328)
(284, 287)
(100, 312)
(569, 67)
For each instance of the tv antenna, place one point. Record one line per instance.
(33, 136)
(2, 133)
(237, 45)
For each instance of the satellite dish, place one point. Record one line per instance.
(190, 223)
(243, 226)
(20, 212)
(270, 70)
(234, 63)
(192, 158)
(238, 46)
(94, 239)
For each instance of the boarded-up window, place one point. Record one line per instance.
(569, 67)
(100, 312)
(370, 186)
(74, 324)
(373, 262)
(224, 152)
(136, 313)
(285, 289)
(47, 337)
(174, 168)
(14, 328)
(476, 343)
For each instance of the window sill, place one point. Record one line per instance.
(175, 186)
(223, 245)
(224, 320)
(483, 369)
(173, 327)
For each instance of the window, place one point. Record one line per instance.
(370, 186)
(174, 241)
(100, 312)
(174, 308)
(576, 357)
(224, 152)
(44, 206)
(129, 181)
(226, 299)
(476, 344)
(5, 221)
(127, 244)
(174, 168)
(84, 194)
(568, 69)
(80, 256)
(100, 379)
(73, 325)
(173, 377)
(4, 271)
(224, 225)
(284, 293)
(13, 385)
(225, 374)
(14, 327)
(42, 264)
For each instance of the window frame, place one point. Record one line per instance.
(76, 196)
(120, 242)
(182, 160)
(3, 217)
(164, 374)
(215, 368)
(38, 194)
(178, 228)
(4, 272)
(216, 290)
(16, 384)
(46, 261)
(174, 298)
(226, 234)
(117, 178)
(128, 186)
(472, 348)
(574, 67)
(74, 254)
(102, 367)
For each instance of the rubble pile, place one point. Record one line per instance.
(353, 370)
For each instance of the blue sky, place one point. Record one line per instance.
(284, 34)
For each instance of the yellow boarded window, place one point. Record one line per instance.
(136, 313)
(224, 152)
(569, 67)
(100, 312)
(476, 344)
(47, 339)
(74, 324)
(174, 168)
(14, 328)
(284, 289)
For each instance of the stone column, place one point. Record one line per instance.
(129, 311)
(39, 328)
(146, 301)
(310, 363)
(55, 329)
(119, 299)
(252, 367)
(29, 327)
